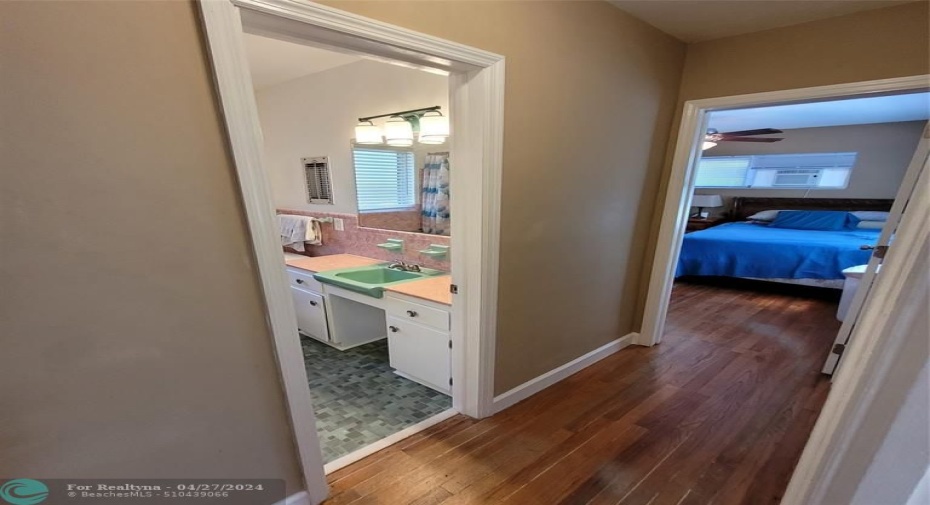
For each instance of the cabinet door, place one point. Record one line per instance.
(311, 314)
(420, 352)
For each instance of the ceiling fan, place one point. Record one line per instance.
(713, 136)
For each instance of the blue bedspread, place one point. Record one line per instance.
(752, 250)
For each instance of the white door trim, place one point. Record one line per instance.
(476, 103)
(871, 350)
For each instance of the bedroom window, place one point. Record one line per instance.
(776, 171)
(385, 179)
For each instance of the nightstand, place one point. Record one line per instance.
(697, 223)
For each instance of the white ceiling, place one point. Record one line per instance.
(273, 61)
(698, 20)
(880, 109)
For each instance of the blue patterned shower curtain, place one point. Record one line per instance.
(435, 195)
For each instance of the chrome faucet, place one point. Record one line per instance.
(405, 267)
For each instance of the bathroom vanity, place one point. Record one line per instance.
(414, 316)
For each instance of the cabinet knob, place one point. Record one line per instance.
(300, 281)
(394, 329)
(412, 313)
(313, 303)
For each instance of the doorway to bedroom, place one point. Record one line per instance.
(781, 212)
(787, 205)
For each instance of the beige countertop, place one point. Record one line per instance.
(331, 262)
(434, 289)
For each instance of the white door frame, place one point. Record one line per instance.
(868, 359)
(476, 103)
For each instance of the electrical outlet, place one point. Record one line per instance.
(339, 224)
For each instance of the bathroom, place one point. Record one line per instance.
(357, 154)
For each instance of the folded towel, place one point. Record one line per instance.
(297, 230)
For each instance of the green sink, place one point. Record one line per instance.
(371, 280)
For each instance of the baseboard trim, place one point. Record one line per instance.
(390, 440)
(301, 498)
(533, 386)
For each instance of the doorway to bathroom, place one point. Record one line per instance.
(356, 171)
(475, 92)
(357, 153)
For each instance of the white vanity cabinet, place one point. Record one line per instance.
(419, 341)
(417, 330)
(309, 304)
(311, 313)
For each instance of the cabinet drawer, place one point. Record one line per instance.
(303, 279)
(422, 314)
(419, 352)
(311, 313)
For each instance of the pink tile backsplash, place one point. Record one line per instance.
(364, 241)
(407, 220)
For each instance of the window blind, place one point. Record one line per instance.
(803, 161)
(723, 172)
(385, 179)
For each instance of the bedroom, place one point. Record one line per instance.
(788, 202)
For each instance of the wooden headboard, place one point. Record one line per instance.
(743, 207)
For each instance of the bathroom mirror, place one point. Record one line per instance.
(403, 188)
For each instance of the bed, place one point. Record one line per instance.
(755, 251)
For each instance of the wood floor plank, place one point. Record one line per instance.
(717, 413)
(563, 468)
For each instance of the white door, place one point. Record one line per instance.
(911, 187)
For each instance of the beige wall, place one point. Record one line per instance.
(590, 94)
(134, 338)
(884, 153)
(875, 44)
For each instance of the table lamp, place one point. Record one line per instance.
(702, 201)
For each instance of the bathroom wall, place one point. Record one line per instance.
(364, 241)
(315, 115)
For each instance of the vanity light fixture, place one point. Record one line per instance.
(398, 132)
(434, 129)
(367, 133)
(429, 123)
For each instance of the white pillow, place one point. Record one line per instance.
(870, 225)
(765, 215)
(871, 215)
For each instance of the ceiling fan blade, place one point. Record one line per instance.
(743, 133)
(748, 139)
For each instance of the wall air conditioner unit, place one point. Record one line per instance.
(796, 178)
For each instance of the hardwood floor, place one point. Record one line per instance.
(718, 413)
